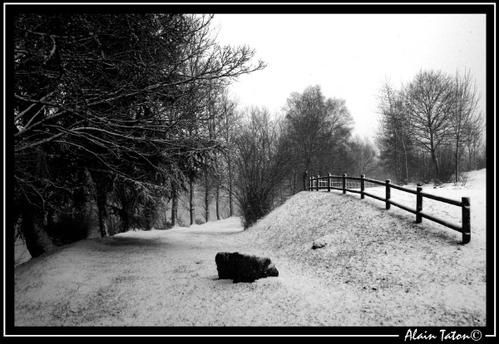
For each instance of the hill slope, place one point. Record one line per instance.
(392, 263)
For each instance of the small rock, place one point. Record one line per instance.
(318, 244)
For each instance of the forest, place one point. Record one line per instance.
(125, 121)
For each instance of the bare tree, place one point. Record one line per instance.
(394, 137)
(429, 102)
(464, 115)
(260, 163)
(473, 141)
(229, 122)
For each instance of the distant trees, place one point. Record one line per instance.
(428, 101)
(230, 120)
(271, 156)
(317, 130)
(261, 163)
(215, 178)
(465, 122)
(110, 105)
(395, 141)
(363, 155)
(433, 120)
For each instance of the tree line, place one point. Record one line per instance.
(431, 129)
(112, 114)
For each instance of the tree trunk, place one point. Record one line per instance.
(191, 200)
(206, 196)
(102, 212)
(435, 163)
(149, 215)
(469, 158)
(456, 160)
(101, 185)
(307, 166)
(217, 197)
(37, 240)
(230, 188)
(174, 207)
(406, 164)
(125, 220)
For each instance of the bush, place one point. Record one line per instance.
(253, 208)
(261, 163)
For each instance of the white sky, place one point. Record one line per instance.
(350, 55)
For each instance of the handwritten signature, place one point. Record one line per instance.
(443, 335)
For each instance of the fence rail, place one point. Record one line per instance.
(327, 183)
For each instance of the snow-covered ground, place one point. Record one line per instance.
(162, 278)
(378, 268)
(473, 187)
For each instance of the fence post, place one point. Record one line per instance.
(466, 230)
(344, 179)
(318, 176)
(305, 178)
(329, 182)
(362, 176)
(419, 203)
(387, 202)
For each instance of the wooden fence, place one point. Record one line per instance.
(328, 183)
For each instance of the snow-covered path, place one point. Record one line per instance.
(166, 278)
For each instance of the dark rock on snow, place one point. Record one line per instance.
(318, 244)
(244, 268)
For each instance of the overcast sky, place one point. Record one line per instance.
(350, 55)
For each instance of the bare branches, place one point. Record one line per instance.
(428, 101)
(432, 117)
(260, 164)
(30, 107)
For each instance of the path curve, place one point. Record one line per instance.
(167, 278)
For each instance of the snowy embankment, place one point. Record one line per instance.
(378, 268)
(388, 269)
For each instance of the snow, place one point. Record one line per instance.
(21, 253)
(474, 187)
(378, 268)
